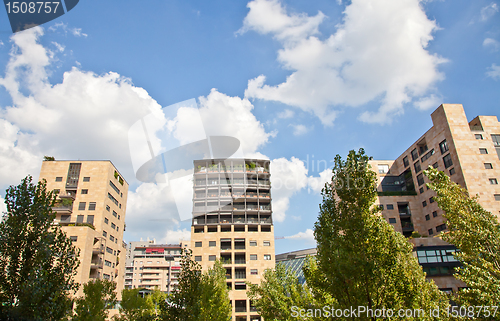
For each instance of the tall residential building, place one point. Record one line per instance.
(232, 221)
(90, 208)
(150, 265)
(467, 151)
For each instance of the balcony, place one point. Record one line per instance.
(96, 264)
(265, 207)
(407, 226)
(73, 223)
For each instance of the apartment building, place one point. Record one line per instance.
(150, 265)
(232, 221)
(467, 151)
(90, 208)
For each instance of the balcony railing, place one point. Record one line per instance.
(407, 226)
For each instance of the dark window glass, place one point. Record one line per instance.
(86, 179)
(73, 238)
(92, 206)
(79, 218)
(58, 179)
(452, 171)
(197, 258)
(431, 232)
(435, 165)
(478, 136)
(406, 163)
(381, 207)
(434, 214)
(114, 214)
(497, 197)
(211, 257)
(212, 243)
(65, 218)
(424, 203)
(488, 166)
(443, 146)
(90, 219)
(392, 220)
(81, 206)
(431, 200)
(483, 151)
(440, 228)
(495, 139)
(447, 161)
(427, 217)
(414, 154)
(390, 206)
(420, 179)
(418, 168)
(85, 191)
(493, 181)
(104, 233)
(106, 220)
(198, 244)
(421, 190)
(108, 208)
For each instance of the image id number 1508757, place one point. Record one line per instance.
(31, 7)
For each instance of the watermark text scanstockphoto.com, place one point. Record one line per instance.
(366, 312)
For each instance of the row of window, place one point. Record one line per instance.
(253, 257)
(428, 217)
(85, 179)
(439, 228)
(114, 212)
(83, 205)
(111, 237)
(228, 241)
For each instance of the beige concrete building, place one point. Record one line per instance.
(467, 151)
(232, 221)
(90, 208)
(150, 265)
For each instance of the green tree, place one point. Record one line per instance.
(476, 232)
(200, 296)
(37, 260)
(362, 260)
(133, 306)
(99, 297)
(280, 293)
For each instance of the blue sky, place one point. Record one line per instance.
(294, 81)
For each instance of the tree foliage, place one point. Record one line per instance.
(362, 260)
(99, 296)
(279, 292)
(200, 296)
(37, 260)
(476, 232)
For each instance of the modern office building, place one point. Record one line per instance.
(150, 265)
(467, 151)
(295, 260)
(232, 221)
(90, 208)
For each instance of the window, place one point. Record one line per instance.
(434, 214)
(56, 191)
(267, 257)
(483, 151)
(406, 163)
(107, 263)
(197, 244)
(478, 136)
(390, 206)
(85, 191)
(211, 257)
(253, 243)
(90, 219)
(381, 207)
(79, 218)
(392, 220)
(109, 250)
(495, 139)
(253, 257)
(452, 171)
(488, 166)
(435, 165)
(447, 161)
(427, 156)
(106, 220)
(414, 154)
(113, 226)
(114, 214)
(430, 231)
(73, 238)
(493, 181)
(107, 208)
(427, 217)
(86, 179)
(441, 227)
(118, 216)
(111, 197)
(212, 243)
(497, 197)
(254, 272)
(92, 206)
(443, 146)
(431, 200)
(58, 179)
(420, 179)
(197, 258)
(112, 238)
(424, 203)
(417, 166)
(267, 243)
(421, 190)
(113, 186)
(383, 169)
(81, 206)
(104, 233)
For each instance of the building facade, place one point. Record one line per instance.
(90, 208)
(153, 266)
(467, 151)
(232, 221)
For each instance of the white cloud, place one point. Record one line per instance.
(285, 114)
(493, 72)
(491, 44)
(316, 184)
(377, 53)
(489, 11)
(287, 178)
(307, 236)
(3, 207)
(428, 102)
(59, 47)
(299, 129)
(174, 236)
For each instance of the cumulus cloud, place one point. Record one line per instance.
(491, 44)
(316, 184)
(378, 53)
(307, 236)
(299, 129)
(174, 236)
(489, 11)
(493, 72)
(285, 114)
(3, 207)
(431, 101)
